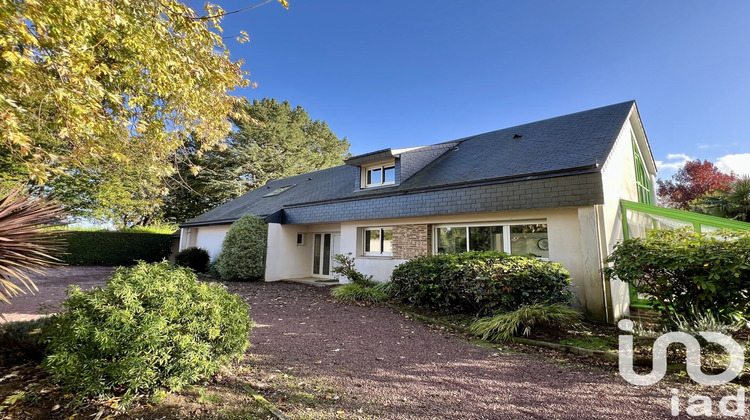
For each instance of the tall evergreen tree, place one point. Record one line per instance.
(273, 141)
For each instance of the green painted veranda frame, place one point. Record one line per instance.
(637, 218)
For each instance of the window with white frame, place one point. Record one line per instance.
(377, 241)
(518, 239)
(379, 175)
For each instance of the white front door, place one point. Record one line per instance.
(325, 246)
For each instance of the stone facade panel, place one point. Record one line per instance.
(410, 241)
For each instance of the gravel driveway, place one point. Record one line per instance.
(391, 367)
(52, 287)
(411, 371)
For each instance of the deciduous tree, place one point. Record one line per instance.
(82, 80)
(99, 97)
(691, 183)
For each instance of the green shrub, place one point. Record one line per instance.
(354, 292)
(243, 252)
(22, 341)
(503, 327)
(152, 326)
(346, 267)
(686, 273)
(479, 282)
(193, 257)
(115, 248)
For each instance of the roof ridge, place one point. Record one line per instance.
(632, 101)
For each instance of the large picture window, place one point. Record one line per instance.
(378, 241)
(520, 239)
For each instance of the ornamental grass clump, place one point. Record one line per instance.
(504, 326)
(354, 292)
(362, 288)
(152, 326)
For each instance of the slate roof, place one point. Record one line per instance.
(573, 143)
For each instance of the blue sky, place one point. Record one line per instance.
(407, 73)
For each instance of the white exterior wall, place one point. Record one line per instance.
(287, 260)
(209, 238)
(380, 268)
(619, 181)
(572, 241)
(565, 245)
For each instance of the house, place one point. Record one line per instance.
(551, 188)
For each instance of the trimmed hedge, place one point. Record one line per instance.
(243, 252)
(115, 248)
(480, 282)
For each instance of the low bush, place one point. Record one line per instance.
(115, 248)
(243, 252)
(684, 272)
(345, 266)
(22, 341)
(503, 327)
(354, 292)
(193, 257)
(479, 282)
(152, 326)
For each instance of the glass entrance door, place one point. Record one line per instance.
(325, 246)
(321, 266)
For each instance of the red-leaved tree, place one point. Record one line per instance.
(691, 182)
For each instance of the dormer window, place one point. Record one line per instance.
(379, 175)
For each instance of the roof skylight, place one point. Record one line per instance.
(279, 190)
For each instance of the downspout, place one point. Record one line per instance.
(606, 290)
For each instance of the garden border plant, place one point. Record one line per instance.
(480, 283)
(194, 258)
(152, 326)
(686, 272)
(243, 252)
(362, 288)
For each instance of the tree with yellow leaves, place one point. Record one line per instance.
(125, 81)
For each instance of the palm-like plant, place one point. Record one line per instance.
(732, 204)
(27, 245)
